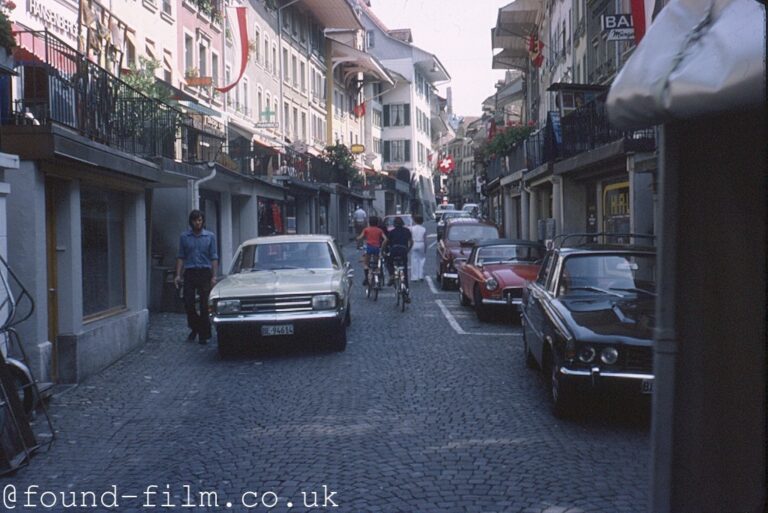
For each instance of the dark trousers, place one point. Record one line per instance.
(198, 281)
(400, 257)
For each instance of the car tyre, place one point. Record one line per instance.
(226, 344)
(348, 316)
(482, 312)
(530, 361)
(339, 340)
(463, 299)
(560, 391)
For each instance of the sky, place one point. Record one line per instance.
(458, 32)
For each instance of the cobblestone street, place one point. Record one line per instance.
(426, 411)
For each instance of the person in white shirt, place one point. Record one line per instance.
(419, 249)
(360, 220)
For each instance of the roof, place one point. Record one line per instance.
(507, 242)
(334, 14)
(275, 239)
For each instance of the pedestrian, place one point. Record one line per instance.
(359, 218)
(199, 260)
(419, 249)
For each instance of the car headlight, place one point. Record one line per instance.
(586, 354)
(324, 301)
(491, 284)
(227, 306)
(609, 355)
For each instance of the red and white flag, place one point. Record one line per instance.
(242, 24)
(447, 164)
(535, 47)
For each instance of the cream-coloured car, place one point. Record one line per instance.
(292, 286)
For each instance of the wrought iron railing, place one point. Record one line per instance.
(57, 84)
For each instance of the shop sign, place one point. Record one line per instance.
(616, 200)
(618, 26)
(357, 149)
(60, 21)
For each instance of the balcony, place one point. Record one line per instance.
(58, 85)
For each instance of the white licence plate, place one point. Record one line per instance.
(647, 386)
(277, 329)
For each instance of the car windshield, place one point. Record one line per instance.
(509, 253)
(472, 231)
(284, 255)
(618, 275)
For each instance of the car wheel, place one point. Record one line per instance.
(561, 392)
(482, 312)
(348, 316)
(463, 299)
(339, 341)
(530, 361)
(226, 343)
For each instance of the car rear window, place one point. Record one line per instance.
(285, 255)
(472, 231)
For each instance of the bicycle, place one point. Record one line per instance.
(402, 295)
(375, 278)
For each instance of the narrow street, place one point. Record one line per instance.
(427, 410)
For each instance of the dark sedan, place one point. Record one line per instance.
(588, 320)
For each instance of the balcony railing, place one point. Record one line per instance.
(57, 84)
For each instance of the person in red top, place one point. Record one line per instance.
(374, 237)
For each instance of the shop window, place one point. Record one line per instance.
(103, 261)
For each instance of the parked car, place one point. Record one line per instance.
(461, 233)
(442, 208)
(588, 320)
(495, 274)
(283, 286)
(448, 214)
(472, 208)
(389, 221)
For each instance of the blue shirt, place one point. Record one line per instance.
(197, 251)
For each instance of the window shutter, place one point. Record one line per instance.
(407, 149)
(386, 115)
(386, 149)
(407, 109)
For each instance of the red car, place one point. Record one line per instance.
(460, 234)
(496, 273)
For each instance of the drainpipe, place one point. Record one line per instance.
(196, 185)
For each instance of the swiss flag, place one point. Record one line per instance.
(447, 164)
(359, 110)
(535, 46)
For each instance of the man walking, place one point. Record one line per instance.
(199, 260)
(359, 218)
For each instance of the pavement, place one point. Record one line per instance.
(426, 411)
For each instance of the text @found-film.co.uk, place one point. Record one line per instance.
(163, 497)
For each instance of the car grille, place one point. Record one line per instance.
(277, 304)
(638, 359)
(510, 294)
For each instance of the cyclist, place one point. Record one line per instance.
(399, 242)
(374, 238)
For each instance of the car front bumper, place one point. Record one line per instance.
(304, 324)
(596, 377)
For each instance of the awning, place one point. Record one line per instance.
(511, 58)
(334, 13)
(697, 58)
(358, 61)
(514, 23)
(198, 108)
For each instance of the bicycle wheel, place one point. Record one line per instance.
(404, 293)
(369, 287)
(397, 289)
(376, 286)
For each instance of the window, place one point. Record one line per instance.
(285, 64)
(215, 69)
(259, 104)
(397, 114)
(266, 54)
(303, 78)
(377, 145)
(274, 60)
(376, 117)
(102, 218)
(257, 46)
(303, 126)
(370, 40)
(295, 124)
(294, 71)
(167, 9)
(202, 58)
(246, 97)
(286, 118)
(397, 151)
